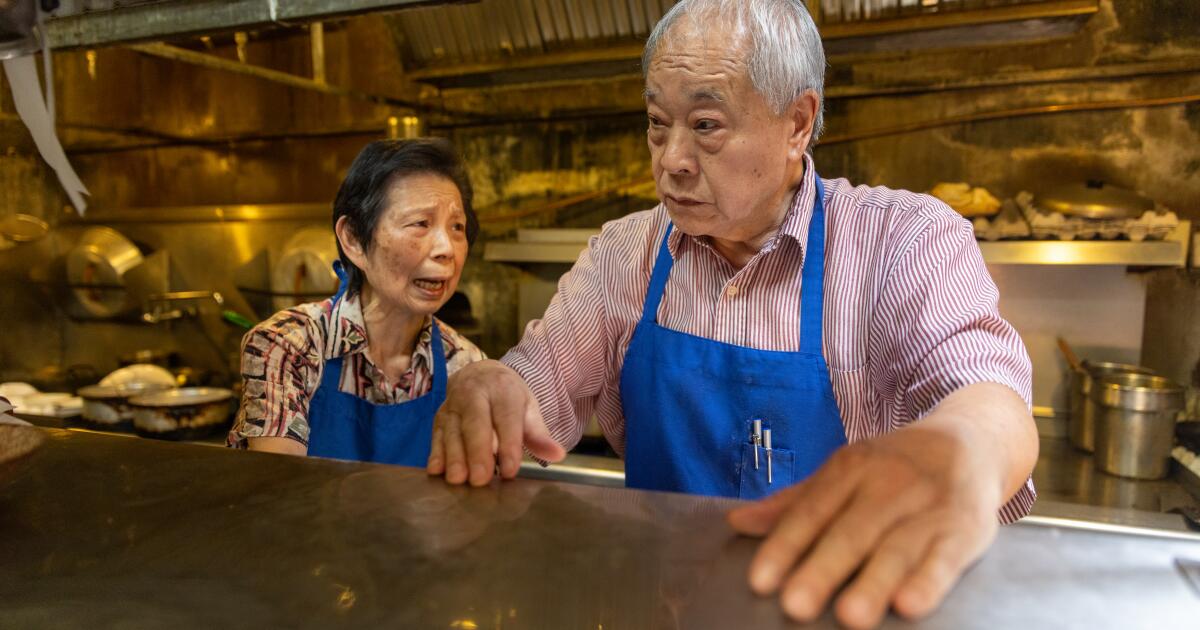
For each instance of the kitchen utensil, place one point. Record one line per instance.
(145, 373)
(305, 270)
(237, 319)
(1093, 200)
(1081, 425)
(1135, 426)
(96, 269)
(107, 407)
(187, 413)
(50, 405)
(17, 443)
(21, 228)
(1069, 354)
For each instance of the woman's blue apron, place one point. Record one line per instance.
(690, 402)
(344, 426)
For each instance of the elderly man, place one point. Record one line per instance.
(854, 330)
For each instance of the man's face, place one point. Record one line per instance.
(724, 163)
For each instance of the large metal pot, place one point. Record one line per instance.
(1081, 428)
(1135, 426)
(96, 269)
(304, 273)
(187, 413)
(107, 407)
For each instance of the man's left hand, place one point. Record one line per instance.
(900, 516)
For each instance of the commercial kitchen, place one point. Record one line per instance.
(174, 175)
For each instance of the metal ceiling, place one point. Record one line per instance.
(500, 30)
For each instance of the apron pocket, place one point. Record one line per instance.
(753, 483)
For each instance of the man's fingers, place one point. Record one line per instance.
(847, 541)
(508, 419)
(456, 457)
(928, 585)
(537, 437)
(436, 464)
(758, 519)
(479, 439)
(865, 601)
(794, 531)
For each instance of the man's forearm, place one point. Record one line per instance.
(994, 425)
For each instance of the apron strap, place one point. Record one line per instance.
(812, 287)
(658, 280)
(343, 280)
(438, 390)
(663, 265)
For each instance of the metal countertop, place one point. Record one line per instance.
(104, 531)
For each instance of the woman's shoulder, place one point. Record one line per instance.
(459, 350)
(300, 328)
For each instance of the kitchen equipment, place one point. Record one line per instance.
(146, 373)
(304, 273)
(21, 228)
(107, 407)
(1105, 216)
(96, 269)
(1135, 423)
(17, 21)
(16, 444)
(1081, 427)
(187, 413)
(1069, 354)
(50, 405)
(1093, 199)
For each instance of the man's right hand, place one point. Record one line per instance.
(489, 413)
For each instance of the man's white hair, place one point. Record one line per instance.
(786, 57)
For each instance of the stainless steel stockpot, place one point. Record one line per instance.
(1135, 424)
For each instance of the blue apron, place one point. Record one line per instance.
(690, 402)
(344, 426)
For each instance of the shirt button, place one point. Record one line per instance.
(731, 291)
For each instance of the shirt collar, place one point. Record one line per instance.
(795, 222)
(347, 332)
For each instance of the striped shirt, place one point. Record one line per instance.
(910, 312)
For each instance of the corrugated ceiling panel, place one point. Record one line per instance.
(500, 29)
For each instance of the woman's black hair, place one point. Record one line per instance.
(363, 195)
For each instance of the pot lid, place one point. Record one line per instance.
(123, 390)
(1094, 199)
(182, 397)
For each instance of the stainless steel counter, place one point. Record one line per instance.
(103, 531)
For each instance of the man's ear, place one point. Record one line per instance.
(803, 115)
(349, 243)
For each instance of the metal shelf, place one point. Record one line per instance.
(563, 247)
(1170, 252)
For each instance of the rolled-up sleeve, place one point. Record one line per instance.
(940, 326)
(278, 382)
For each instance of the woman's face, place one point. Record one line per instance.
(420, 244)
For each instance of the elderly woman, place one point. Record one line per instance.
(360, 375)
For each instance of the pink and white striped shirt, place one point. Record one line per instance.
(910, 312)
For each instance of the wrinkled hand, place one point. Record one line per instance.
(909, 511)
(489, 414)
